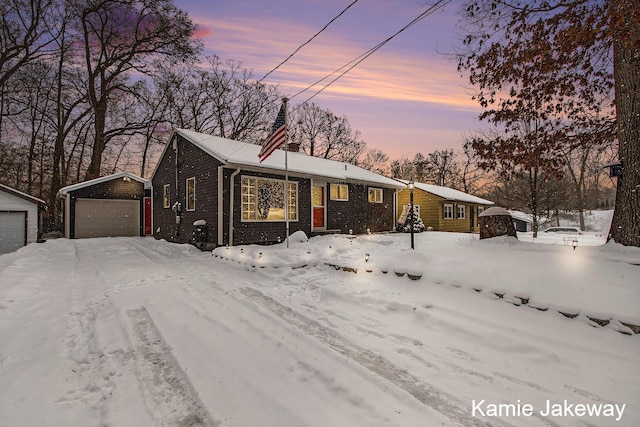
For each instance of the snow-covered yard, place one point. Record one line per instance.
(140, 332)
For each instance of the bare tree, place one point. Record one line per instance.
(25, 35)
(376, 161)
(321, 133)
(471, 174)
(119, 37)
(442, 168)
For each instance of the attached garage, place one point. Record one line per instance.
(111, 206)
(19, 219)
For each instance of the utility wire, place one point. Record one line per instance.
(356, 61)
(308, 41)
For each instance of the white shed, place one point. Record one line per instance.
(19, 219)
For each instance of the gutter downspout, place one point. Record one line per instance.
(220, 209)
(231, 203)
(67, 217)
(395, 209)
(175, 147)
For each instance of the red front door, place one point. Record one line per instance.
(319, 206)
(147, 216)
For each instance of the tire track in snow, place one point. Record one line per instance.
(384, 368)
(167, 390)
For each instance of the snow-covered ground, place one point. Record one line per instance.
(140, 332)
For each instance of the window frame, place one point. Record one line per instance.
(376, 191)
(166, 196)
(449, 211)
(463, 209)
(338, 198)
(190, 198)
(251, 199)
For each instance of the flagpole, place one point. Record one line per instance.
(286, 170)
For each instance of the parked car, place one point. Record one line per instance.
(563, 230)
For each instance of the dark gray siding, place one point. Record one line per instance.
(358, 214)
(268, 232)
(114, 189)
(192, 162)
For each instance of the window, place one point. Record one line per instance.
(447, 211)
(462, 211)
(480, 210)
(375, 195)
(191, 194)
(339, 192)
(166, 198)
(263, 199)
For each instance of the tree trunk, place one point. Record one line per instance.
(99, 143)
(625, 227)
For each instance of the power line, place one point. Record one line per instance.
(308, 41)
(356, 61)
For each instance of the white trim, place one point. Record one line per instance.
(376, 190)
(166, 196)
(187, 194)
(25, 196)
(338, 185)
(69, 188)
(67, 216)
(464, 211)
(284, 185)
(231, 197)
(444, 206)
(322, 185)
(220, 207)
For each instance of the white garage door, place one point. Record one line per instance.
(107, 218)
(12, 231)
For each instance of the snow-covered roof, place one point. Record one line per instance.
(495, 211)
(69, 188)
(521, 216)
(245, 154)
(22, 195)
(449, 193)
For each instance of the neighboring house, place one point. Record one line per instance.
(442, 208)
(522, 222)
(19, 219)
(110, 206)
(220, 185)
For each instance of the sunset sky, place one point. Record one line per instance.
(404, 99)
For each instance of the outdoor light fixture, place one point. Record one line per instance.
(366, 257)
(411, 187)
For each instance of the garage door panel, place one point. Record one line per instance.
(107, 218)
(12, 231)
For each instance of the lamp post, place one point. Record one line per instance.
(411, 187)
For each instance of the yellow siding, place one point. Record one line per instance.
(431, 207)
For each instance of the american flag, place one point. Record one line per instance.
(277, 137)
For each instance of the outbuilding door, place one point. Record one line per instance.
(13, 231)
(106, 218)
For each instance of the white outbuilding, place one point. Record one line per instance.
(19, 219)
